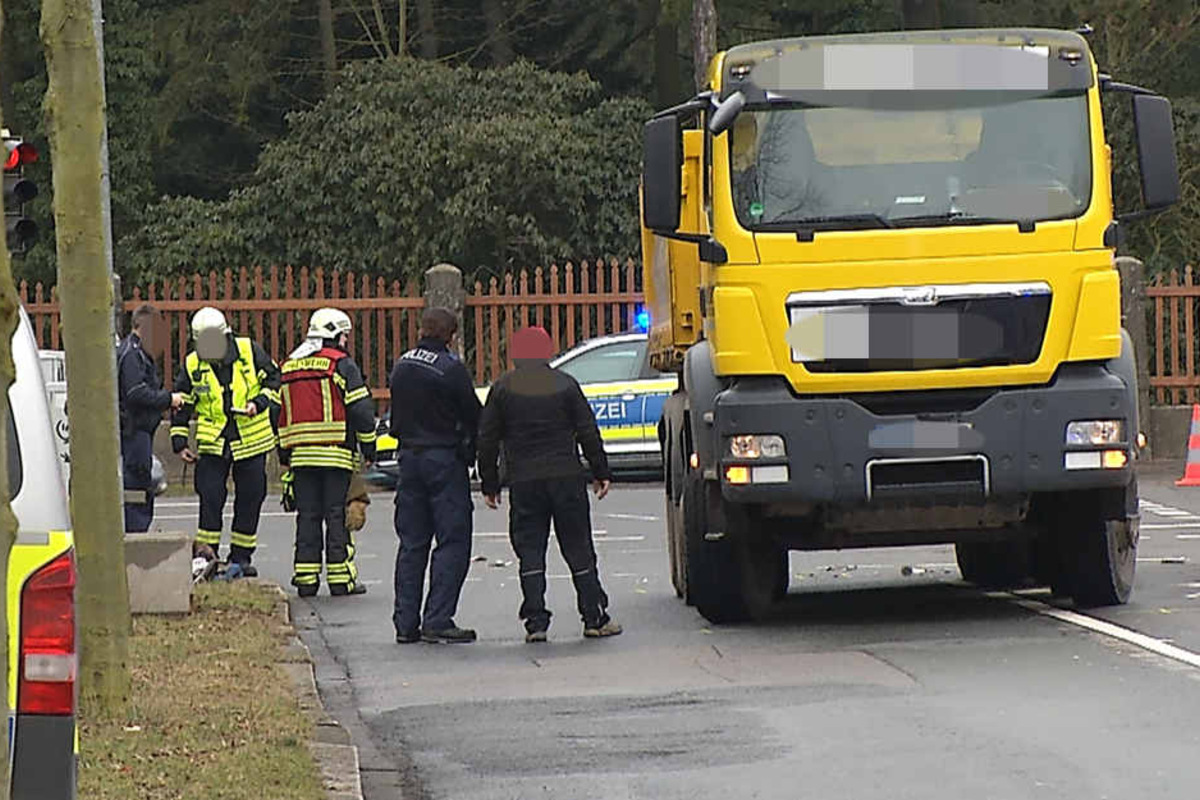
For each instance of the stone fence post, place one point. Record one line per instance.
(444, 289)
(1133, 317)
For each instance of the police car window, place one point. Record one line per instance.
(15, 476)
(620, 361)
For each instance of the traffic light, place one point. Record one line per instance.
(18, 190)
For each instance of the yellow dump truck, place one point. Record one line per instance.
(883, 266)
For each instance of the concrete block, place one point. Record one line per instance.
(1170, 427)
(158, 567)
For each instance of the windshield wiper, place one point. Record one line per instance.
(963, 218)
(806, 226)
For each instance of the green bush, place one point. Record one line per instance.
(408, 163)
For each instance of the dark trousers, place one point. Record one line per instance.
(250, 489)
(433, 502)
(136, 458)
(532, 505)
(321, 526)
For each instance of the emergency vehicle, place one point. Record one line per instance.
(625, 392)
(42, 657)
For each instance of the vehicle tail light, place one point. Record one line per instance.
(47, 665)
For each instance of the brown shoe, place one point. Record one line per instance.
(610, 628)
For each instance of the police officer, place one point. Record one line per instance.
(435, 415)
(232, 386)
(142, 403)
(541, 418)
(327, 417)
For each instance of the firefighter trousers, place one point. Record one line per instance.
(321, 526)
(250, 490)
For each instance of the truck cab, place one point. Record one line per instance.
(883, 265)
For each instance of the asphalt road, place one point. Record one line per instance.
(882, 676)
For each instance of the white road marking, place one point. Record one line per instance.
(599, 534)
(1187, 536)
(1170, 526)
(636, 517)
(193, 516)
(1114, 631)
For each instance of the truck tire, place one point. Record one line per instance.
(733, 578)
(994, 564)
(674, 532)
(1103, 540)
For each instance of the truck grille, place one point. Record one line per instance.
(918, 328)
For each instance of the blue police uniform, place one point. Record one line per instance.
(435, 418)
(142, 403)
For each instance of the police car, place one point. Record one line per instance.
(626, 395)
(42, 660)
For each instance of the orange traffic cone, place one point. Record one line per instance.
(1191, 472)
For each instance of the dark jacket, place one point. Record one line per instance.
(142, 398)
(270, 380)
(541, 419)
(433, 399)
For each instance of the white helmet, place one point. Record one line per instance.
(208, 319)
(328, 323)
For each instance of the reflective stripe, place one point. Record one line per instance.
(247, 540)
(366, 437)
(181, 430)
(208, 537)
(322, 456)
(345, 572)
(306, 567)
(136, 497)
(358, 394)
(305, 580)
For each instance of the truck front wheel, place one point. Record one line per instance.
(1100, 543)
(733, 574)
(994, 564)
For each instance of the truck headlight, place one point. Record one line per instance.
(757, 446)
(1094, 432)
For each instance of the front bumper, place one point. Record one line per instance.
(1012, 437)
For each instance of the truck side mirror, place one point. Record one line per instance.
(662, 162)
(1157, 162)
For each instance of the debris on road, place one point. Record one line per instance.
(479, 558)
(499, 562)
(908, 570)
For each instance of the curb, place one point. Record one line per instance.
(331, 746)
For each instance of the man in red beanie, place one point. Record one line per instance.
(541, 418)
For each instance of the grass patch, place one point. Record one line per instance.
(212, 715)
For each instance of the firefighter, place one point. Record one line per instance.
(232, 387)
(327, 419)
(142, 403)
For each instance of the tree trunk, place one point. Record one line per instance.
(499, 40)
(667, 90)
(8, 523)
(704, 39)
(427, 29)
(402, 28)
(921, 14)
(328, 45)
(76, 126)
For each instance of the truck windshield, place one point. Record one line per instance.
(799, 167)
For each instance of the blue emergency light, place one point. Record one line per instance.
(643, 320)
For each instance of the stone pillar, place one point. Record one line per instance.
(1133, 318)
(444, 289)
